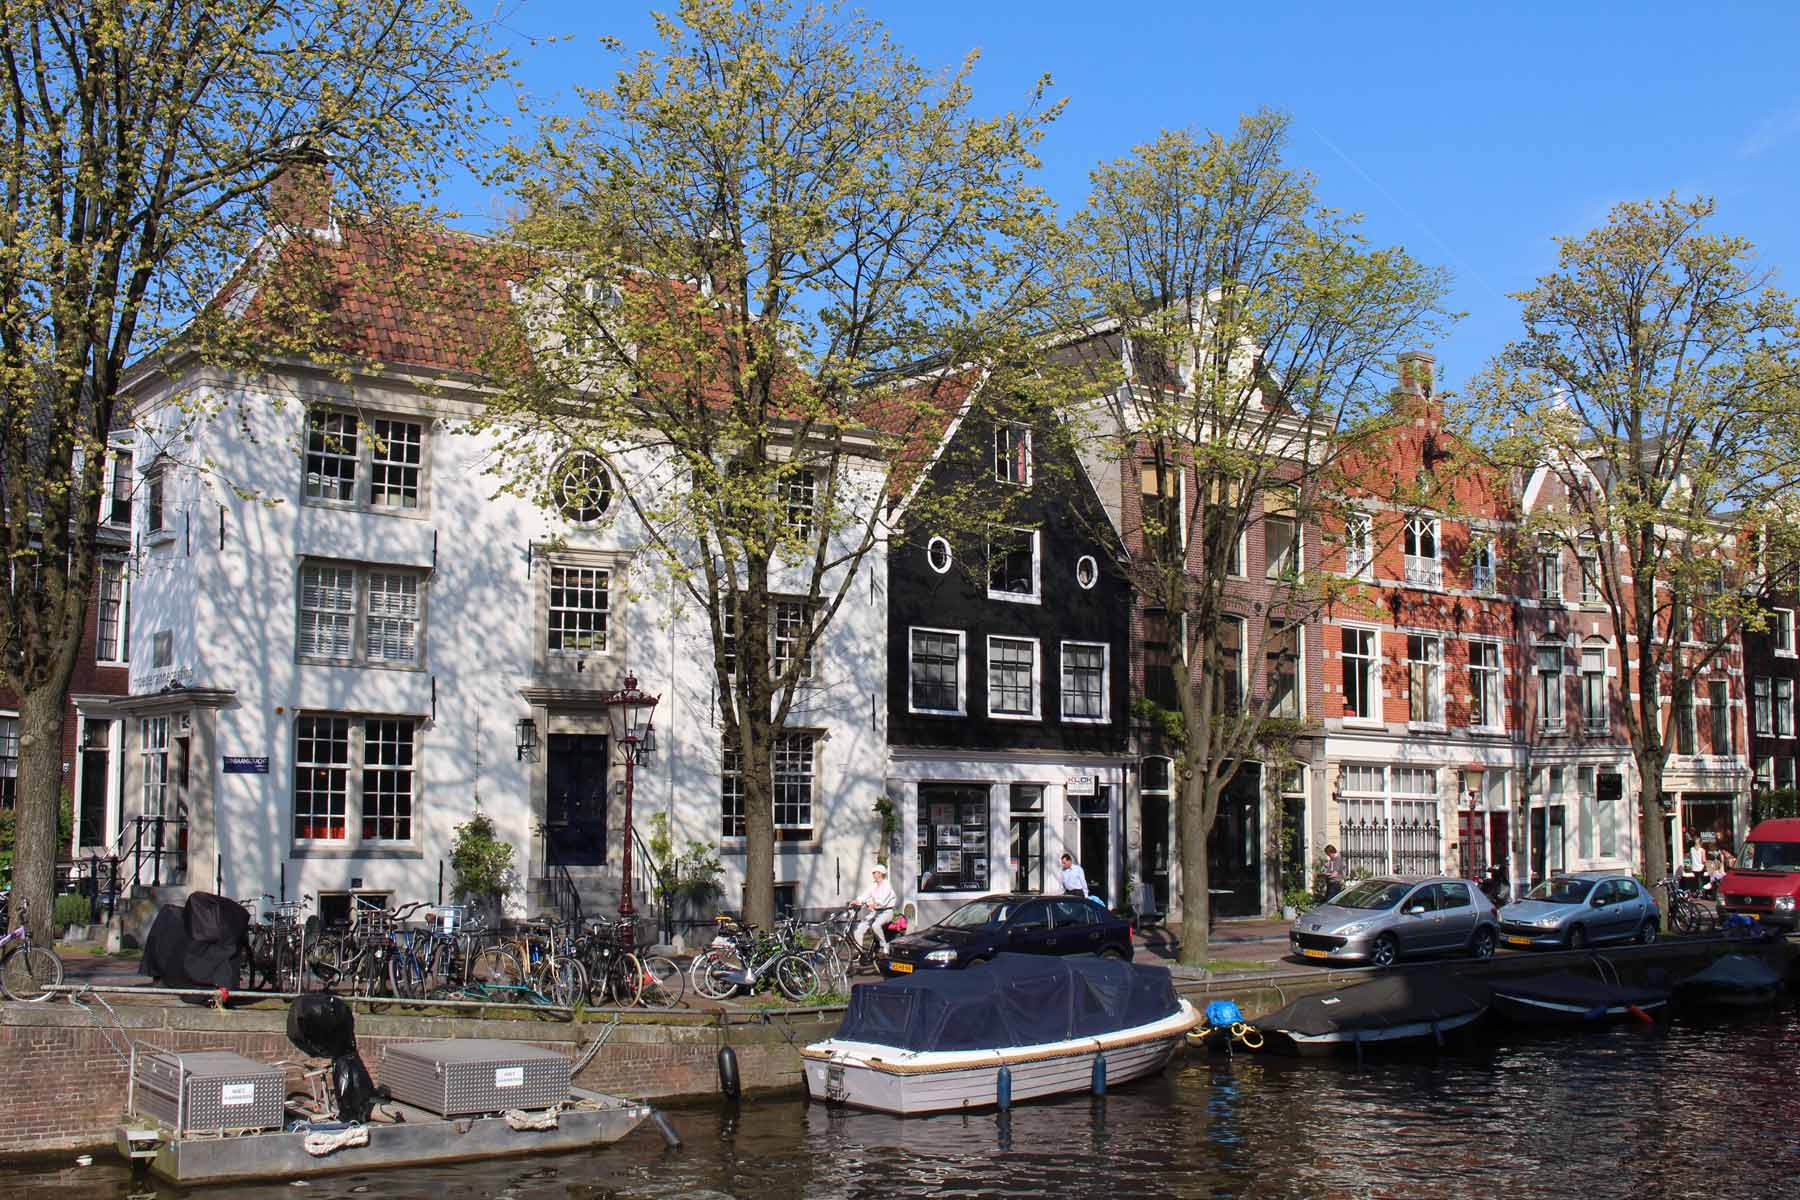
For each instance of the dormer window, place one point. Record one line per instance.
(1423, 567)
(1012, 455)
(1013, 564)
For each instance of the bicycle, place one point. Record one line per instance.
(1686, 913)
(618, 970)
(849, 956)
(27, 972)
(749, 958)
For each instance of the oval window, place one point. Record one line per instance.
(582, 489)
(1087, 571)
(937, 553)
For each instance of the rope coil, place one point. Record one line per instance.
(320, 1144)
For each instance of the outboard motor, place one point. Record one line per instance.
(322, 1026)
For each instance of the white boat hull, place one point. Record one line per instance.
(885, 1079)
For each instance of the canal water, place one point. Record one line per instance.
(1682, 1110)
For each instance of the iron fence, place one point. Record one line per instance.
(1404, 843)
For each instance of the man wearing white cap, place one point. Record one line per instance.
(879, 899)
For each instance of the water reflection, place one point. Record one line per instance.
(1667, 1111)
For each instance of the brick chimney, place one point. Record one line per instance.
(1418, 373)
(299, 198)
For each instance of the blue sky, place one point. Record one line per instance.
(1471, 135)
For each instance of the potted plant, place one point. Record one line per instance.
(1295, 901)
(686, 881)
(483, 864)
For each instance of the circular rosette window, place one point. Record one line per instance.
(581, 488)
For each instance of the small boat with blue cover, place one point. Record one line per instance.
(1568, 998)
(1732, 981)
(1018, 1028)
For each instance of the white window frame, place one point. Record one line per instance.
(1423, 570)
(1299, 708)
(1784, 706)
(797, 492)
(1781, 632)
(604, 612)
(949, 556)
(1243, 633)
(795, 831)
(1715, 706)
(1484, 568)
(1295, 554)
(1371, 674)
(1036, 595)
(361, 614)
(1765, 772)
(1488, 683)
(1037, 680)
(121, 485)
(9, 758)
(1012, 454)
(1589, 561)
(156, 498)
(1105, 683)
(789, 613)
(364, 460)
(1175, 473)
(1359, 545)
(1601, 721)
(962, 672)
(1433, 663)
(1762, 706)
(153, 761)
(1548, 721)
(1550, 576)
(358, 769)
(1784, 772)
(117, 568)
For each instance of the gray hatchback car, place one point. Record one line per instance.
(1379, 920)
(1572, 911)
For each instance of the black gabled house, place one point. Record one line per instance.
(1008, 668)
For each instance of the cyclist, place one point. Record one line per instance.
(879, 901)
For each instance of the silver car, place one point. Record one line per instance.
(1572, 911)
(1379, 920)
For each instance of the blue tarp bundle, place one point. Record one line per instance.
(1015, 1000)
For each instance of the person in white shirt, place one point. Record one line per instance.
(879, 901)
(1074, 879)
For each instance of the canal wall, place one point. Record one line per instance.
(63, 1084)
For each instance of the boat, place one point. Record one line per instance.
(1421, 1006)
(1019, 1027)
(1732, 981)
(1568, 998)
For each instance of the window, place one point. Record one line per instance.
(381, 466)
(1012, 454)
(1590, 578)
(1159, 665)
(1719, 710)
(1013, 564)
(1414, 781)
(119, 510)
(1594, 716)
(1685, 733)
(1765, 773)
(1224, 524)
(793, 764)
(1284, 674)
(335, 598)
(953, 837)
(1550, 688)
(1784, 708)
(1781, 631)
(1160, 498)
(337, 757)
(1084, 676)
(9, 762)
(153, 750)
(1485, 697)
(937, 555)
(1550, 581)
(1359, 545)
(1012, 678)
(1026, 803)
(113, 620)
(1425, 679)
(790, 626)
(1423, 568)
(153, 498)
(1282, 551)
(1784, 774)
(1359, 674)
(1761, 709)
(578, 601)
(796, 492)
(731, 794)
(937, 672)
(1087, 572)
(1231, 663)
(1681, 616)
(581, 487)
(1481, 568)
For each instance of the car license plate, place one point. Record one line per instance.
(1313, 954)
(900, 968)
(1518, 941)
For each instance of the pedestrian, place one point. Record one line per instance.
(1696, 859)
(1074, 879)
(878, 901)
(1331, 873)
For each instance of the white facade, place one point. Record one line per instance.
(268, 624)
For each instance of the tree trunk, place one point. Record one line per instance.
(1193, 832)
(39, 800)
(1653, 833)
(759, 830)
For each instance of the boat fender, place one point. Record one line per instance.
(729, 1085)
(668, 1131)
(1099, 1079)
(1224, 1014)
(1003, 1089)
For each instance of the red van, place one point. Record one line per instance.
(1765, 884)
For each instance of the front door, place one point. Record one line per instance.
(575, 798)
(96, 772)
(1234, 859)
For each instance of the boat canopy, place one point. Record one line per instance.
(1384, 1003)
(1014, 1000)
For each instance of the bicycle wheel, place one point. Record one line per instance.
(708, 974)
(561, 979)
(29, 972)
(797, 977)
(1682, 917)
(496, 965)
(624, 979)
(663, 984)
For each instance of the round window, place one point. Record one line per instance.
(1087, 571)
(582, 489)
(937, 553)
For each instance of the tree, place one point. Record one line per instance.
(141, 142)
(1656, 387)
(736, 238)
(1256, 326)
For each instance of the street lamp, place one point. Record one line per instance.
(630, 713)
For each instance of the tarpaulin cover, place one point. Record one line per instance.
(1732, 973)
(321, 1025)
(1380, 1004)
(199, 945)
(1014, 1000)
(1572, 987)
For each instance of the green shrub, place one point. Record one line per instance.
(483, 863)
(72, 910)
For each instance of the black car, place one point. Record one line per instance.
(1022, 923)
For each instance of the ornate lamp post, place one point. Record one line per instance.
(630, 712)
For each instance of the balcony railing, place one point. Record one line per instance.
(1424, 572)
